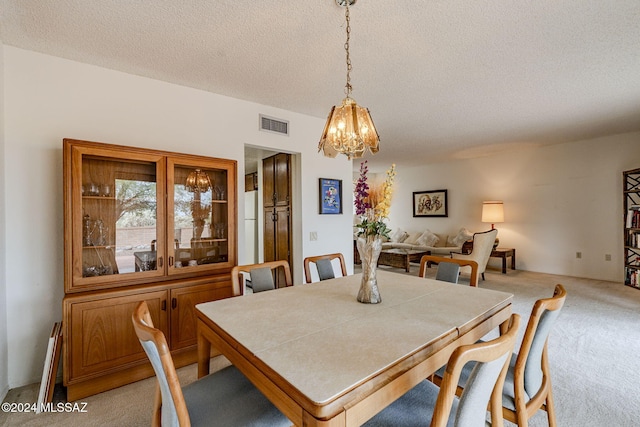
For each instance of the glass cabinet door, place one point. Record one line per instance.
(119, 231)
(198, 216)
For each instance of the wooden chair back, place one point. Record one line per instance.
(427, 260)
(531, 371)
(492, 359)
(329, 257)
(237, 281)
(169, 403)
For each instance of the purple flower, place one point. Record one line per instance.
(362, 191)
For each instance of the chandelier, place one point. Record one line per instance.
(349, 129)
(198, 182)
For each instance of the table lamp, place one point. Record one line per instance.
(493, 212)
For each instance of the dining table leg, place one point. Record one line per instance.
(204, 353)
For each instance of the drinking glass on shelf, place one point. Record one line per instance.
(93, 189)
(105, 190)
(219, 230)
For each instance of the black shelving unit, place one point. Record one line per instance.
(631, 197)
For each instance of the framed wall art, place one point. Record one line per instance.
(330, 196)
(430, 203)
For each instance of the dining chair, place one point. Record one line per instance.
(323, 266)
(427, 260)
(427, 402)
(261, 276)
(482, 246)
(528, 382)
(225, 398)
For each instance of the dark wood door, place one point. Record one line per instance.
(277, 210)
(282, 172)
(277, 180)
(268, 182)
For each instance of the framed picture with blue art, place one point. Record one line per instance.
(330, 196)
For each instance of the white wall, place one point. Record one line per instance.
(558, 200)
(4, 383)
(48, 99)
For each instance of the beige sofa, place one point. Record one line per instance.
(426, 240)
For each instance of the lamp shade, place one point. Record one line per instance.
(493, 211)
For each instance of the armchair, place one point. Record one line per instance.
(482, 247)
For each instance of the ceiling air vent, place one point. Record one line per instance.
(270, 124)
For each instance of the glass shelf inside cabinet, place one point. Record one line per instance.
(119, 216)
(200, 216)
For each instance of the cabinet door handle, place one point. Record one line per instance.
(174, 303)
(160, 262)
(170, 261)
(164, 305)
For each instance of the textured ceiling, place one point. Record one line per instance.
(442, 78)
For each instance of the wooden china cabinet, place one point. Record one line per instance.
(139, 225)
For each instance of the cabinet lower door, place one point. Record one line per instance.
(102, 335)
(183, 312)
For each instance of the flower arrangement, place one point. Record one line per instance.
(373, 204)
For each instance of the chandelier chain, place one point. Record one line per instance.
(348, 88)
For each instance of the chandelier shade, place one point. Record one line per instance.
(349, 129)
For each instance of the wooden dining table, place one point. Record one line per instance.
(325, 359)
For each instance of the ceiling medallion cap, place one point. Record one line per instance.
(344, 2)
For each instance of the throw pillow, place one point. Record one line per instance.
(462, 236)
(427, 239)
(412, 239)
(398, 236)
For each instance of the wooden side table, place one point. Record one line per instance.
(504, 253)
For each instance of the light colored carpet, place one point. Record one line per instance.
(594, 355)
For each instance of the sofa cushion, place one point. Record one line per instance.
(442, 240)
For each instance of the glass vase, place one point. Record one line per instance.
(369, 248)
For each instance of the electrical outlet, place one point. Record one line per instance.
(579, 255)
(607, 257)
(313, 236)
